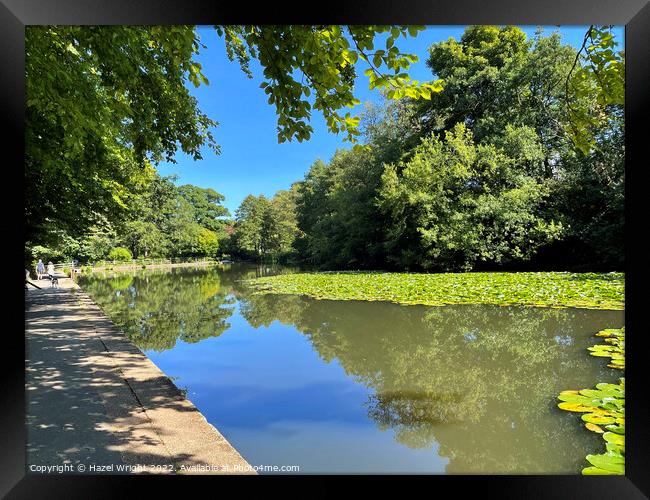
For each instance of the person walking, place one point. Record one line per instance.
(50, 269)
(40, 269)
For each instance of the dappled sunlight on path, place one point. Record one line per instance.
(95, 398)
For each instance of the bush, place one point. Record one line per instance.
(121, 254)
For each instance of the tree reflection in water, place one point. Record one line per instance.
(157, 307)
(480, 381)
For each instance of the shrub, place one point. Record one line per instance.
(121, 254)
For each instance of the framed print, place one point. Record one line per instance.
(271, 245)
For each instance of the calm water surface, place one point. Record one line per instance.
(351, 386)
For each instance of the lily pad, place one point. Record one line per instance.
(603, 406)
(612, 437)
(577, 407)
(612, 462)
(597, 471)
(594, 428)
(591, 290)
(615, 448)
(598, 419)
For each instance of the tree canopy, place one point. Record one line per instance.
(266, 228)
(455, 203)
(102, 103)
(105, 104)
(486, 173)
(510, 155)
(324, 58)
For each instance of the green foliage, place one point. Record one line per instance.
(337, 213)
(454, 204)
(163, 221)
(590, 195)
(145, 239)
(483, 175)
(102, 102)
(516, 162)
(120, 254)
(249, 218)
(599, 81)
(206, 203)
(266, 228)
(313, 67)
(588, 290)
(44, 253)
(96, 243)
(208, 242)
(495, 77)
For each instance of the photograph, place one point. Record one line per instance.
(337, 249)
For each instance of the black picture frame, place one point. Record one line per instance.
(16, 14)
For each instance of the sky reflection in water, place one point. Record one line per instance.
(353, 386)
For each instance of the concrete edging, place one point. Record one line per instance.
(147, 419)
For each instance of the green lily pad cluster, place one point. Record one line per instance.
(542, 289)
(614, 349)
(603, 408)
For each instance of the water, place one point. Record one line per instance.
(350, 386)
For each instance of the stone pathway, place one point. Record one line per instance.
(93, 398)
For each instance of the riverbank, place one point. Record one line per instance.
(139, 265)
(544, 289)
(97, 404)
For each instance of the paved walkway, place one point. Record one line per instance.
(95, 398)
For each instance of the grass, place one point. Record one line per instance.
(544, 289)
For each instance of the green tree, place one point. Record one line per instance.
(105, 104)
(267, 228)
(208, 242)
(120, 254)
(495, 77)
(145, 239)
(563, 107)
(337, 214)
(249, 219)
(530, 178)
(101, 103)
(590, 196)
(280, 227)
(206, 202)
(183, 232)
(455, 204)
(96, 243)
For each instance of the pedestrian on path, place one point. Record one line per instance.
(50, 268)
(40, 269)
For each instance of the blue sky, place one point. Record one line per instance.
(251, 160)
